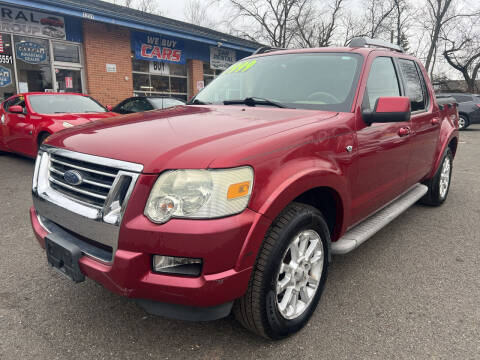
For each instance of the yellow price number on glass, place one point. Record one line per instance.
(241, 66)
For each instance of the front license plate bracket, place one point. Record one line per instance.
(64, 256)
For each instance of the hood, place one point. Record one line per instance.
(80, 118)
(181, 137)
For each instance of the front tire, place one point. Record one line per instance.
(289, 275)
(439, 185)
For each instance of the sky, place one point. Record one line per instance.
(173, 8)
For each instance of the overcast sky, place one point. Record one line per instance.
(173, 8)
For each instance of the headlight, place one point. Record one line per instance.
(199, 194)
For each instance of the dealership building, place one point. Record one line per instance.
(107, 51)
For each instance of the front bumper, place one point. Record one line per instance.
(130, 273)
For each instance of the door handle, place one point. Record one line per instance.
(404, 131)
(435, 121)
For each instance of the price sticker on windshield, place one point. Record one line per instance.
(241, 66)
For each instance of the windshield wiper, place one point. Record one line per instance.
(254, 100)
(198, 102)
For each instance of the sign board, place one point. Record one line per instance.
(31, 52)
(22, 87)
(200, 85)
(28, 22)
(153, 47)
(159, 68)
(68, 82)
(5, 76)
(220, 58)
(111, 68)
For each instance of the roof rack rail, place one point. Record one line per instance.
(366, 41)
(265, 49)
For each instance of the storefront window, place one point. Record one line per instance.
(160, 83)
(209, 74)
(139, 65)
(141, 82)
(66, 53)
(33, 64)
(7, 70)
(69, 80)
(159, 79)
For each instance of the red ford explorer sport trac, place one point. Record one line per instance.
(237, 201)
(27, 119)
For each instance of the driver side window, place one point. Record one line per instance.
(382, 81)
(19, 100)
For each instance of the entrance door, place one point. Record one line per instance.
(68, 80)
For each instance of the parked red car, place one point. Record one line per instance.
(27, 119)
(237, 201)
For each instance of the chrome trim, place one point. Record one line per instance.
(80, 191)
(86, 181)
(123, 165)
(83, 169)
(100, 224)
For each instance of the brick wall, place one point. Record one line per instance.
(195, 73)
(107, 44)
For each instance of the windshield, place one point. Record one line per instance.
(52, 104)
(325, 81)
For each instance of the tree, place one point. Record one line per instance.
(441, 13)
(375, 22)
(316, 27)
(196, 12)
(402, 15)
(462, 50)
(148, 6)
(272, 21)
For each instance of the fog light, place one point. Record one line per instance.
(177, 265)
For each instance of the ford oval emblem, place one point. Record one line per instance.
(73, 177)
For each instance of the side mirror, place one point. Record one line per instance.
(16, 109)
(109, 107)
(388, 109)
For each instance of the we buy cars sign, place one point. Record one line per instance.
(155, 47)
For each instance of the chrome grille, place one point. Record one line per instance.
(96, 184)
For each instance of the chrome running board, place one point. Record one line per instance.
(367, 228)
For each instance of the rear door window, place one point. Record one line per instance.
(382, 81)
(414, 85)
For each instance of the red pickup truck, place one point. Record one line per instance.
(237, 201)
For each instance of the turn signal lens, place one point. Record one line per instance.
(238, 190)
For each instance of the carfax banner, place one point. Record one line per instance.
(154, 47)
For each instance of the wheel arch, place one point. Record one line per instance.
(463, 113)
(40, 136)
(328, 201)
(331, 190)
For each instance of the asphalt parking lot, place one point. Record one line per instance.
(411, 291)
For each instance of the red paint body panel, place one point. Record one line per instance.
(393, 104)
(19, 133)
(291, 151)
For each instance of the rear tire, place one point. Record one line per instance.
(289, 275)
(439, 185)
(463, 122)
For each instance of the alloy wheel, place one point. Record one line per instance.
(299, 275)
